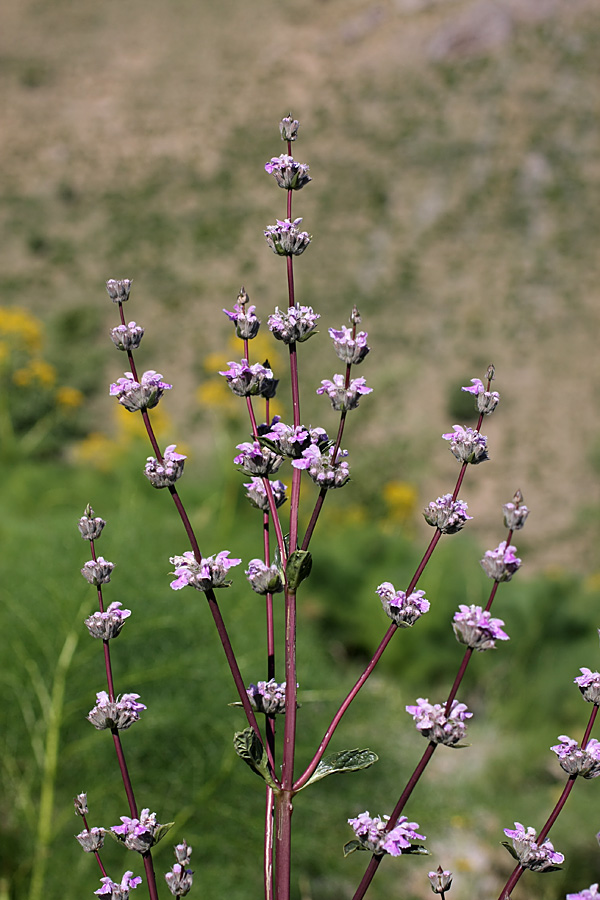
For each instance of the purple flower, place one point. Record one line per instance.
(267, 697)
(447, 514)
(322, 468)
(589, 685)
(342, 397)
(136, 396)
(119, 891)
(165, 473)
(501, 563)
(257, 494)
(118, 289)
(477, 629)
(289, 128)
(107, 624)
(97, 571)
(467, 445)
(576, 761)
(487, 401)
(286, 239)
(90, 528)
(205, 575)
(179, 880)
(288, 173)
(257, 460)
(432, 722)
(248, 381)
(127, 337)
(246, 323)
(586, 894)
(531, 855)
(372, 834)
(440, 880)
(402, 610)
(294, 324)
(120, 713)
(515, 512)
(91, 839)
(292, 441)
(137, 834)
(264, 579)
(351, 350)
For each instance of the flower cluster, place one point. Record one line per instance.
(119, 891)
(257, 460)
(90, 527)
(586, 894)
(179, 879)
(342, 397)
(120, 713)
(127, 337)
(245, 321)
(439, 728)
(139, 396)
(403, 610)
(205, 575)
(501, 563)
(477, 629)
(288, 173)
(138, 834)
(248, 381)
(440, 880)
(267, 697)
(107, 624)
(295, 324)
(589, 685)
(118, 289)
(292, 441)
(467, 445)
(97, 571)
(286, 239)
(322, 468)
(372, 834)
(487, 401)
(289, 128)
(577, 761)
(166, 473)
(257, 494)
(92, 839)
(447, 514)
(351, 349)
(515, 512)
(264, 579)
(538, 858)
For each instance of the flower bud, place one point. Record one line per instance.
(246, 323)
(127, 337)
(91, 840)
(267, 697)
(289, 128)
(97, 571)
(515, 512)
(118, 289)
(440, 880)
(80, 803)
(90, 527)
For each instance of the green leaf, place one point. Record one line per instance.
(343, 761)
(162, 831)
(417, 849)
(298, 568)
(248, 747)
(351, 846)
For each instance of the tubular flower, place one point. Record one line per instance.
(432, 722)
(501, 563)
(127, 337)
(138, 396)
(292, 441)
(440, 880)
(486, 401)
(477, 629)
(267, 697)
(576, 761)
(286, 239)
(137, 834)
(107, 624)
(97, 571)
(447, 514)
(372, 834)
(166, 473)
(90, 528)
(322, 469)
(589, 685)
(179, 879)
(467, 445)
(351, 350)
(244, 319)
(257, 460)
(204, 576)
(342, 397)
(402, 610)
(257, 494)
(288, 173)
(120, 713)
(295, 324)
(91, 840)
(119, 891)
(118, 289)
(248, 381)
(586, 894)
(532, 856)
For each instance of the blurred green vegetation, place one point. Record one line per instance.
(181, 753)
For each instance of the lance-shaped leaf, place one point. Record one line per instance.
(298, 568)
(248, 747)
(417, 849)
(343, 761)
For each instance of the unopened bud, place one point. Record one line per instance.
(289, 128)
(118, 289)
